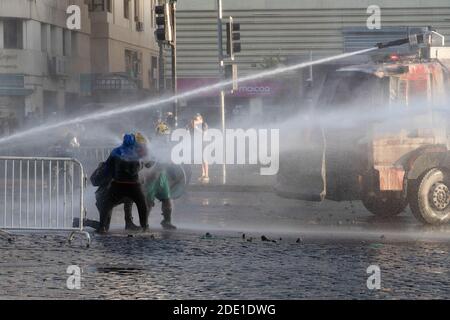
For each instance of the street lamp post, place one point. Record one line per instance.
(222, 77)
(166, 34)
(174, 62)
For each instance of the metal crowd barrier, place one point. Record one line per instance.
(96, 154)
(42, 194)
(92, 156)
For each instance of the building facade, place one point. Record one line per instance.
(47, 70)
(124, 53)
(40, 59)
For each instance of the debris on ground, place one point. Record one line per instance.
(207, 236)
(265, 239)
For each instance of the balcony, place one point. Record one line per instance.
(109, 83)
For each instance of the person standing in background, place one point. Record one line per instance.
(198, 124)
(171, 121)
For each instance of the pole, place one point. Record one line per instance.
(174, 62)
(222, 76)
(161, 68)
(220, 35)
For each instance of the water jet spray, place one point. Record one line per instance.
(171, 99)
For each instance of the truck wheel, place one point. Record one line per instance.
(384, 205)
(429, 197)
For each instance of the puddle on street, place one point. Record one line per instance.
(121, 270)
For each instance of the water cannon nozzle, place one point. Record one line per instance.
(412, 40)
(392, 43)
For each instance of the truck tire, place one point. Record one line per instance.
(429, 197)
(385, 206)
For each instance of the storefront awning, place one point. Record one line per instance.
(249, 89)
(15, 92)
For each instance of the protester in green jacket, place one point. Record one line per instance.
(157, 187)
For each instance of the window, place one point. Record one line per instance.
(152, 14)
(136, 11)
(64, 44)
(53, 43)
(132, 63)
(70, 102)
(109, 6)
(154, 63)
(97, 5)
(153, 74)
(67, 42)
(13, 34)
(50, 103)
(74, 44)
(100, 5)
(126, 9)
(44, 37)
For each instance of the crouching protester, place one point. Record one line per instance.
(123, 165)
(155, 183)
(102, 179)
(99, 202)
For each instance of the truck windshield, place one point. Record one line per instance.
(342, 90)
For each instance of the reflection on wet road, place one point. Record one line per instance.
(318, 251)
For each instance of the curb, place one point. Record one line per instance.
(229, 188)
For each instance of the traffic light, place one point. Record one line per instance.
(164, 28)
(233, 38)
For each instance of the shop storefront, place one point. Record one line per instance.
(12, 102)
(254, 100)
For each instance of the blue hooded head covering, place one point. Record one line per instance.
(127, 151)
(129, 140)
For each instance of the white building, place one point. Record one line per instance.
(45, 68)
(40, 59)
(124, 53)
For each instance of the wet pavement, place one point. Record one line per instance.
(318, 251)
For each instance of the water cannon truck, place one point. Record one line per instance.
(392, 150)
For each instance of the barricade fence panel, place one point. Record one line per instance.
(41, 193)
(89, 156)
(92, 156)
(94, 153)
